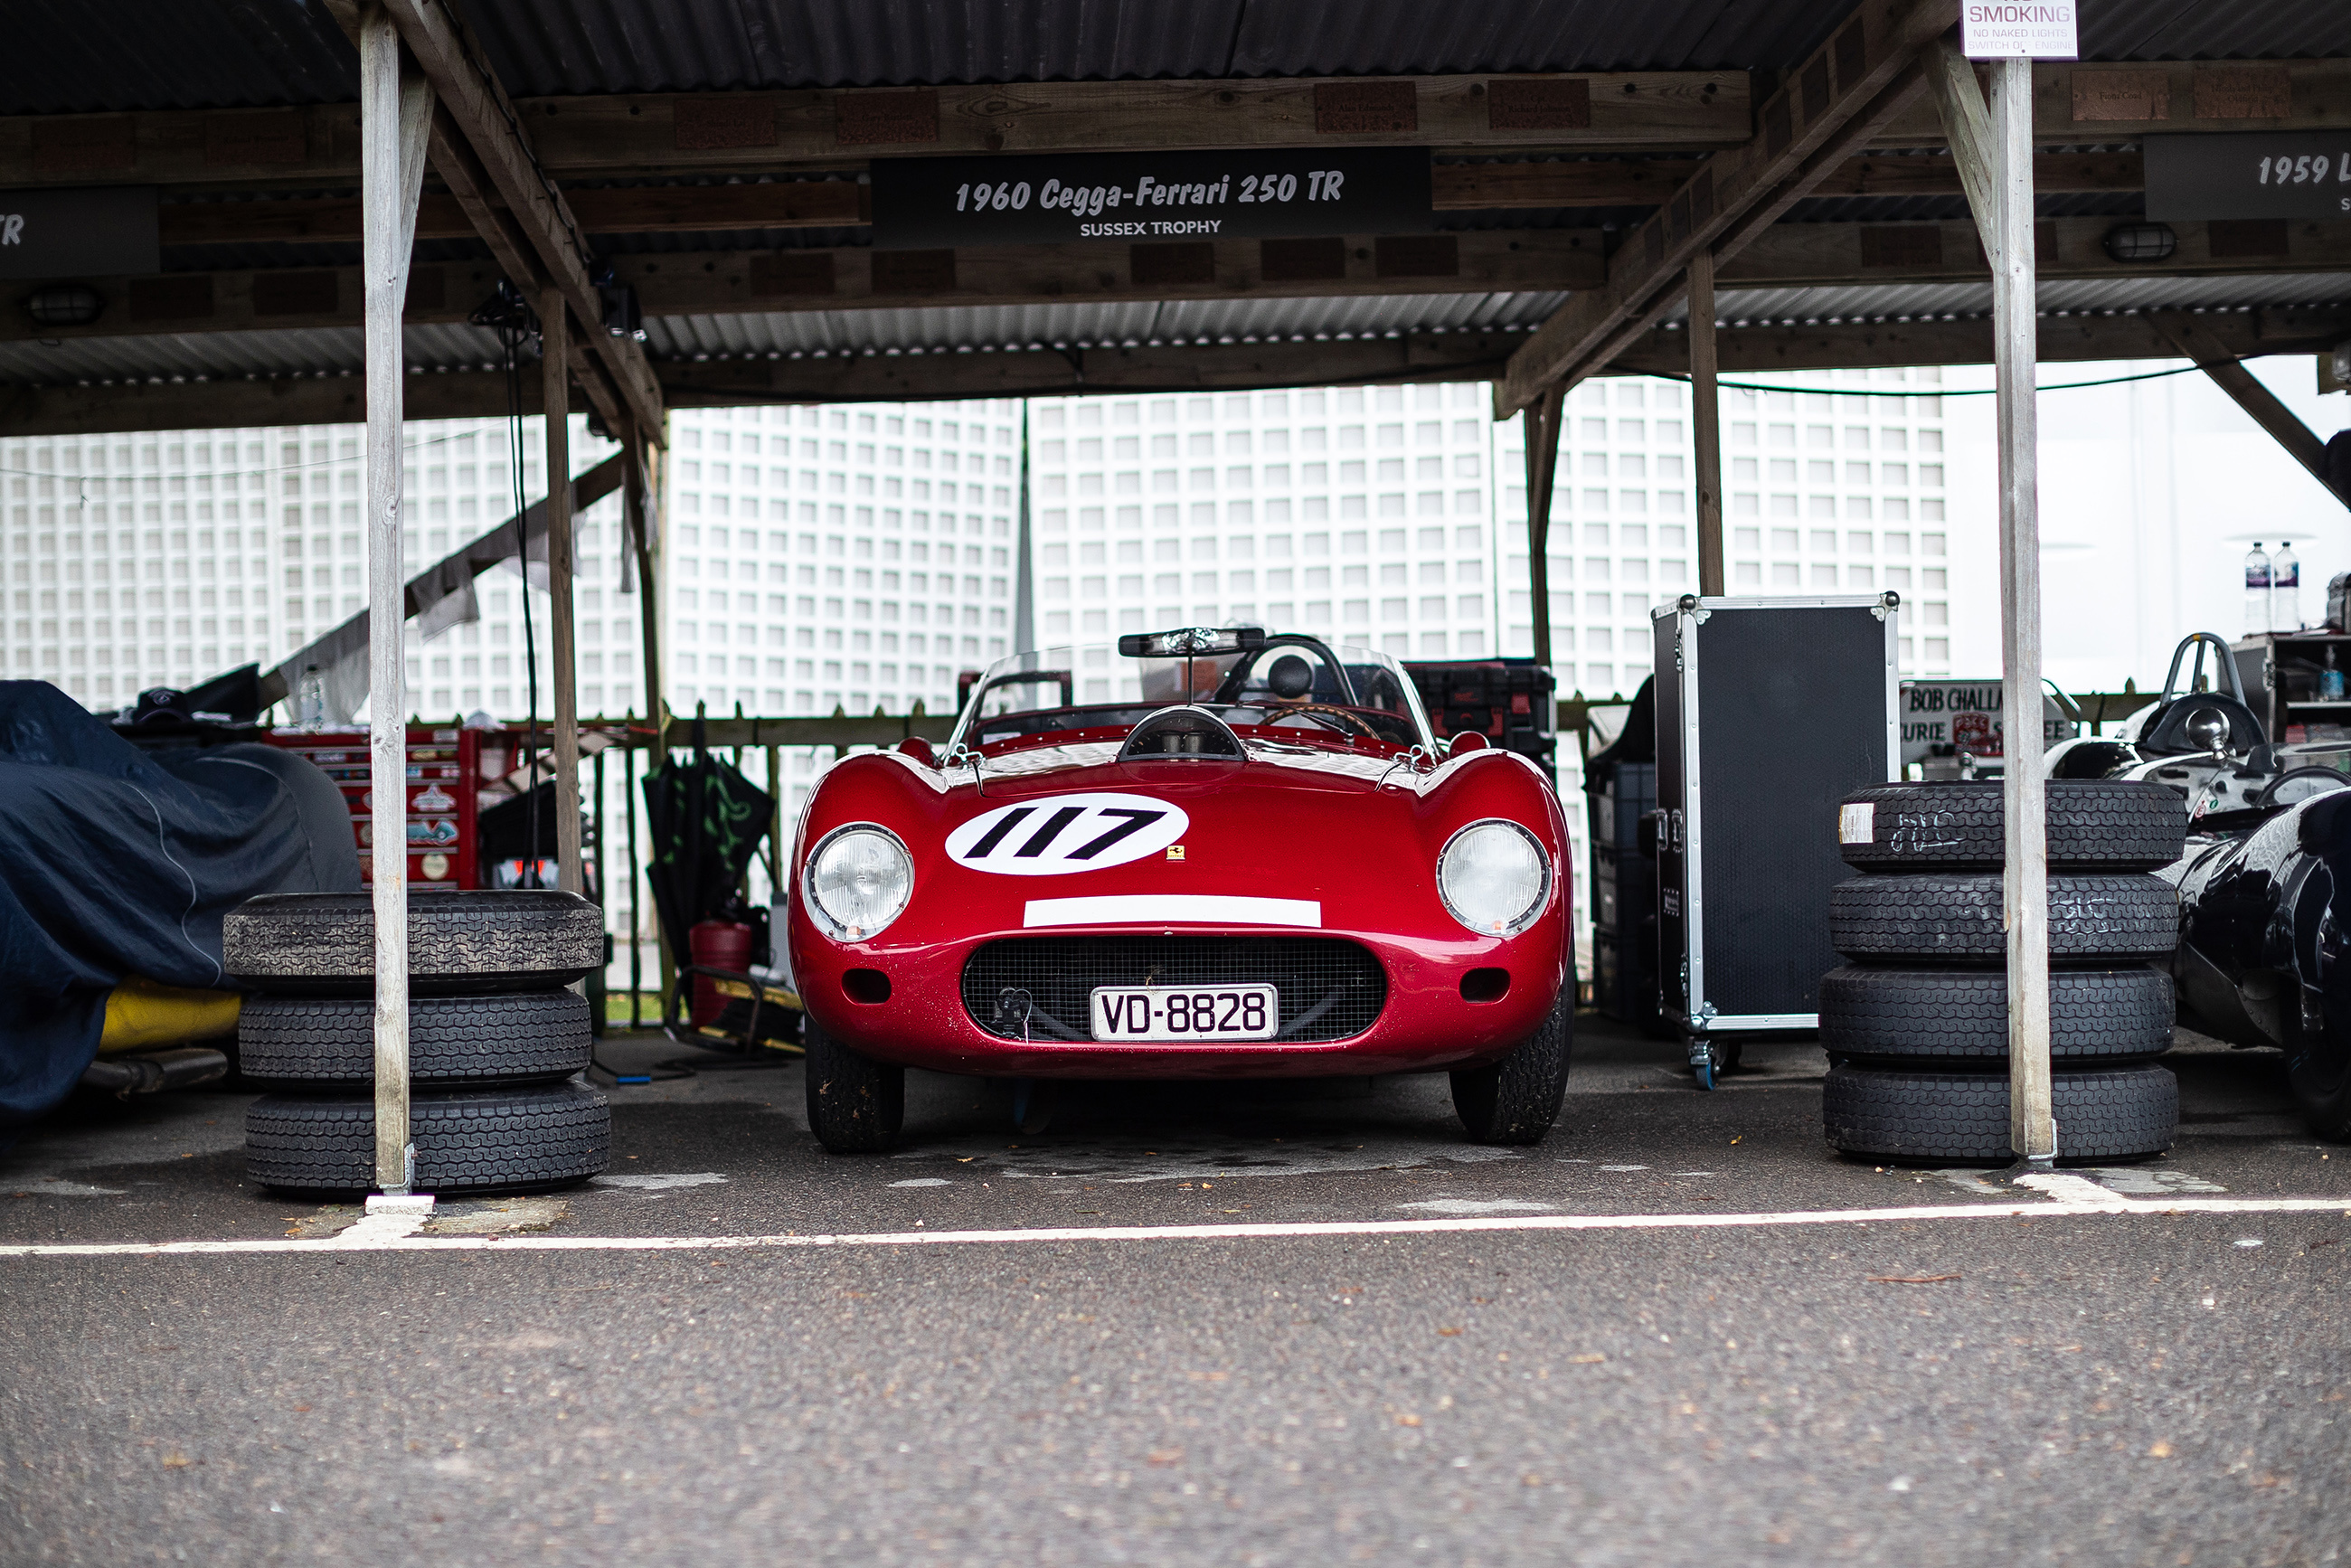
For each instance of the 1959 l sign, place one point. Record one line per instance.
(2252, 175)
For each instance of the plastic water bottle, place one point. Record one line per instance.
(2285, 588)
(2330, 679)
(2257, 591)
(310, 709)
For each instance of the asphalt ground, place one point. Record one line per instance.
(2001, 1379)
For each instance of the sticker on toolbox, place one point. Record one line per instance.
(1857, 823)
(433, 798)
(439, 830)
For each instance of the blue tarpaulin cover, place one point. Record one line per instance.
(116, 860)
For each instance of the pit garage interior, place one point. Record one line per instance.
(1302, 1322)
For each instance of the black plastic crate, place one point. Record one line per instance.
(1624, 889)
(1625, 979)
(1617, 809)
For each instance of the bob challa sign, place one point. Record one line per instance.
(1943, 718)
(941, 202)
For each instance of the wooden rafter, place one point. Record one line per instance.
(1857, 78)
(1783, 255)
(477, 121)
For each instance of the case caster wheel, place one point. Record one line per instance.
(1710, 1059)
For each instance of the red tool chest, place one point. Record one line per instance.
(441, 796)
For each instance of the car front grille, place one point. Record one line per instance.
(1329, 989)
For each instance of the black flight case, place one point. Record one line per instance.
(1770, 712)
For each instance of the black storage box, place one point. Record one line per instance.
(1770, 712)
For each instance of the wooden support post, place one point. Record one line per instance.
(2024, 894)
(555, 373)
(636, 495)
(394, 116)
(1542, 424)
(1705, 425)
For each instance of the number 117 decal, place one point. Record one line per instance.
(1059, 834)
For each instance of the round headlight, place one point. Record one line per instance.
(859, 881)
(1493, 877)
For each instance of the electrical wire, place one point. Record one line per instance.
(1939, 392)
(236, 473)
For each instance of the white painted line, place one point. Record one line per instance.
(2110, 1205)
(654, 1182)
(1172, 909)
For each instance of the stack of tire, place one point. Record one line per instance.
(1917, 1025)
(498, 1047)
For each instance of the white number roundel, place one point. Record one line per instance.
(1058, 834)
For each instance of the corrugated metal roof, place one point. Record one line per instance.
(68, 56)
(231, 356)
(1025, 325)
(1898, 301)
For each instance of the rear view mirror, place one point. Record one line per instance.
(1192, 643)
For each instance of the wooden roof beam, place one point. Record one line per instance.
(1865, 71)
(757, 133)
(1440, 357)
(846, 203)
(761, 132)
(1857, 345)
(1785, 255)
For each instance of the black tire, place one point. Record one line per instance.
(2095, 824)
(2318, 1069)
(855, 1104)
(487, 1140)
(1953, 918)
(1516, 1100)
(314, 1042)
(1961, 1118)
(2100, 1015)
(323, 944)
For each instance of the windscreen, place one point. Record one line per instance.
(1294, 688)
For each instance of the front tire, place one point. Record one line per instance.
(855, 1105)
(1516, 1100)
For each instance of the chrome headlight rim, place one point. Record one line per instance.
(822, 918)
(1535, 907)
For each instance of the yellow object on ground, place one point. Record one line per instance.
(142, 1015)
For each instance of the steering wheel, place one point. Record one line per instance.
(1230, 691)
(2296, 785)
(1273, 716)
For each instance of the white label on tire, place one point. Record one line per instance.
(1857, 824)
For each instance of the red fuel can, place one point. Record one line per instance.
(717, 945)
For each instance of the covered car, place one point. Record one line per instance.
(1193, 855)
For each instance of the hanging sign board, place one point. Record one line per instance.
(923, 203)
(102, 232)
(2252, 175)
(2018, 29)
(1942, 719)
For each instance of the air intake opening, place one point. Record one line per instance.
(1485, 985)
(866, 986)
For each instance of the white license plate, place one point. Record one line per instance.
(1174, 1013)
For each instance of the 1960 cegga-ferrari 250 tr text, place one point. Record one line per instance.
(1243, 856)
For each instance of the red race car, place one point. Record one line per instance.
(1242, 856)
